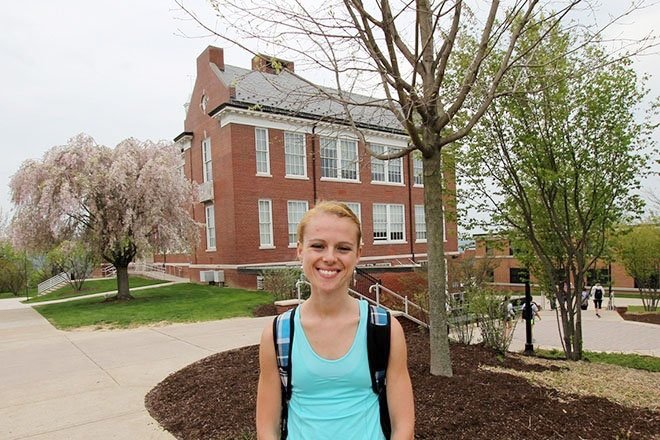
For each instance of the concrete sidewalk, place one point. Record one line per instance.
(610, 333)
(91, 384)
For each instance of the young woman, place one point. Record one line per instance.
(332, 396)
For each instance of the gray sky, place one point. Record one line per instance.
(121, 68)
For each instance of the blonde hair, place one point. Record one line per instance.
(329, 207)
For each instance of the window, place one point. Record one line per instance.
(296, 209)
(388, 223)
(294, 154)
(418, 170)
(518, 275)
(339, 158)
(261, 148)
(598, 276)
(210, 228)
(206, 159)
(355, 207)
(388, 171)
(265, 224)
(420, 223)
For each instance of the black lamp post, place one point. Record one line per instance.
(528, 315)
(27, 296)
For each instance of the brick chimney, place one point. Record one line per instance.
(268, 64)
(213, 55)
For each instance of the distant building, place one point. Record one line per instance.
(265, 146)
(508, 273)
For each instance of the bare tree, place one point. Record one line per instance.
(436, 65)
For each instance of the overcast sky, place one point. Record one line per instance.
(120, 68)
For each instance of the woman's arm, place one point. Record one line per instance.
(268, 392)
(399, 388)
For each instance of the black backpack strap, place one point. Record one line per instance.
(283, 329)
(378, 350)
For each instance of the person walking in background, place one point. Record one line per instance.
(535, 312)
(597, 292)
(585, 299)
(509, 316)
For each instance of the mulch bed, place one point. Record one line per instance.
(215, 398)
(651, 318)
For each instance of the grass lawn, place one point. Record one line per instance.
(623, 295)
(637, 309)
(176, 303)
(635, 361)
(93, 286)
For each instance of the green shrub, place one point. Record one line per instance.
(490, 312)
(281, 283)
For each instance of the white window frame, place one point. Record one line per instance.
(262, 153)
(418, 170)
(388, 166)
(356, 208)
(207, 162)
(295, 210)
(343, 166)
(420, 224)
(289, 155)
(209, 212)
(387, 224)
(265, 213)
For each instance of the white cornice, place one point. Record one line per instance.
(232, 115)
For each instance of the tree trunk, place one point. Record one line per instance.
(123, 292)
(437, 287)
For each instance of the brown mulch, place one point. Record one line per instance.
(215, 398)
(265, 310)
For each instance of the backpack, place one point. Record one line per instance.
(378, 352)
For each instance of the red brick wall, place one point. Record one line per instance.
(237, 188)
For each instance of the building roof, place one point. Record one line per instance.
(285, 93)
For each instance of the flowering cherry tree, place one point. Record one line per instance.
(119, 201)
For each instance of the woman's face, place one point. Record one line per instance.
(329, 252)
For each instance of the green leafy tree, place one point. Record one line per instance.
(14, 267)
(557, 163)
(639, 252)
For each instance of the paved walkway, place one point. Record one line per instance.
(91, 384)
(610, 333)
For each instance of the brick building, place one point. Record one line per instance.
(508, 274)
(264, 146)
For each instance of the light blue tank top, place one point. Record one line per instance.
(333, 399)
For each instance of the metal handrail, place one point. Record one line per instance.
(146, 267)
(52, 282)
(108, 270)
(378, 288)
